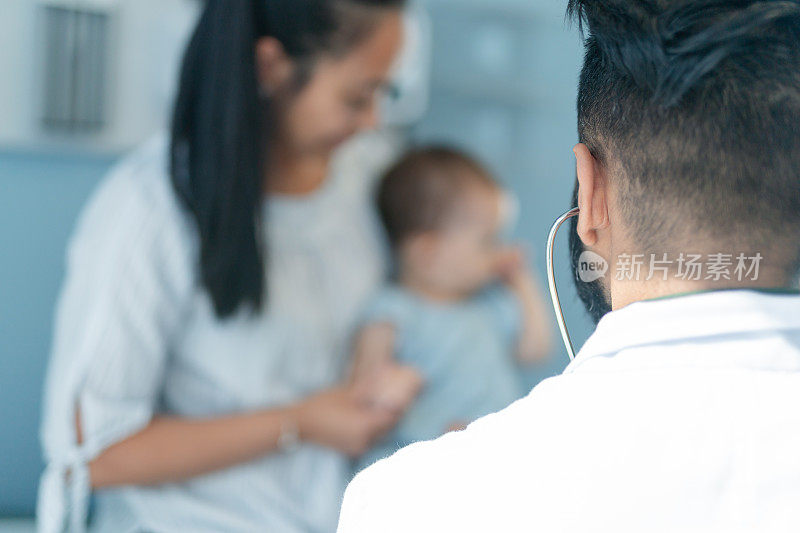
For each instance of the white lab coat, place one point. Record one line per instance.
(678, 414)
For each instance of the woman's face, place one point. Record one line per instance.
(340, 98)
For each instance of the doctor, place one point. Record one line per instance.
(680, 413)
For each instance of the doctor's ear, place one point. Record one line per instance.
(273, 67)
(592, 195)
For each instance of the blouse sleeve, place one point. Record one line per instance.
(127, 281)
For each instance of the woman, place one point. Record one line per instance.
(211, 283)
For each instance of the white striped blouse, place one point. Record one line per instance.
(135, 334)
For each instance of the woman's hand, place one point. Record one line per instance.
(341, 419)
(457, 426)
(391, 386)
(511, 267)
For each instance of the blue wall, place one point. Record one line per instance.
(40, 197)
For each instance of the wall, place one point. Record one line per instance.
(40, 196)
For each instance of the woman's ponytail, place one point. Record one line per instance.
(217, 151)
(221, 128)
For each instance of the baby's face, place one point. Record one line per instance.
(468, 248)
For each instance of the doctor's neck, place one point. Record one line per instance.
(624, 292)
(690, 263)
(634, 273)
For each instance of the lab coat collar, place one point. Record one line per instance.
(692, 316)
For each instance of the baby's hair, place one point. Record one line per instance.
(418, 192)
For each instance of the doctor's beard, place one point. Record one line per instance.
(592, 294)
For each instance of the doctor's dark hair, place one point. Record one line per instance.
(221, 125)
(694, 107)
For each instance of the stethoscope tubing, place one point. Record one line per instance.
(551, 280)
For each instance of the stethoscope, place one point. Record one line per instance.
(551, 280)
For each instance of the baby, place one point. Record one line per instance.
(462, 311)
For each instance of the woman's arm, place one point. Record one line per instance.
(171, 449)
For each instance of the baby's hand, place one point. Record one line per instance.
(393, 387)
(510, 264)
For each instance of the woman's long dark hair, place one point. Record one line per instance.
(221, 125)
